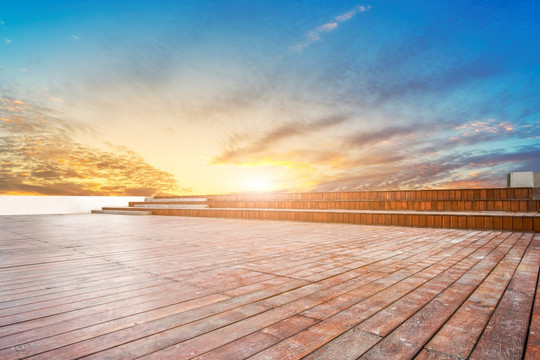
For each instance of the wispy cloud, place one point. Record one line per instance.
(55, 99)
(7, 41)
(39, 158)
(75, 37)
(408, 156)
(349, 14)
(242, 148)
(369, 137)
(481, 131)
(315, 34)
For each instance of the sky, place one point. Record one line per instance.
(201, 97)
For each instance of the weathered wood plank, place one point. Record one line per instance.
(221, 288)
(533, 340)
(392, 316)
(459, 335)
(349, 345)
(408, 339)
(506, 333)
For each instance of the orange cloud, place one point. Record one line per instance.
(490, 126)
(39, 157)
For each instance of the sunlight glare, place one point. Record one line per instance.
(258, 183)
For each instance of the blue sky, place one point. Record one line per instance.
(145, 97)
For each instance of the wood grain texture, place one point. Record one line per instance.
(120, 287)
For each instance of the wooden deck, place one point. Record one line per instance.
(153, 287)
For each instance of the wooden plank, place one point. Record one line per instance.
(407, 340)
(329, 329)
(533, 340)
(506, 333)
(68, 332)
(104, 289)
(459, 335)
(241, 274)
(349, 345)
(392, 316)
(258, 341)
(427, 354)
(54, 314)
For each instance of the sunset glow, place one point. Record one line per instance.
(258, 184)
(148, 98)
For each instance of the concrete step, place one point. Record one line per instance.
(121, 212)
(494, 220)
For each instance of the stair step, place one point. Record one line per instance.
(134, 203)
(513, 209)
(176, 199)
(415, 205)
(170, 206)
(121, 212)
(512, 221)
(443, 194)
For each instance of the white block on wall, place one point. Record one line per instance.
(29, 205)
(523, 179)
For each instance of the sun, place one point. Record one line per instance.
(258, 183)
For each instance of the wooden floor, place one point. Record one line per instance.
(155, 287)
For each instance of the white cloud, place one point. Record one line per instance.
(75, 37)
(349, 14)
(328, 27)
(55, 99)
(315, 34)
(7, 41)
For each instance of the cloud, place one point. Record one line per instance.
(39, 157)
(404, 173)
(242, 147)
(349, 14)
(527, 158)
(408, 156)
(481, 131)
(75, 37)
(369, 137)
(7, 41)
(315, 34)
(413, 171)
(55, 99)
